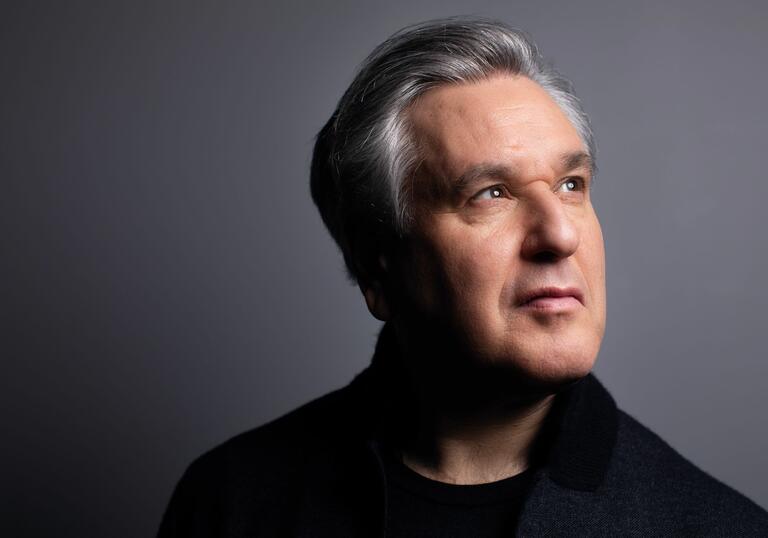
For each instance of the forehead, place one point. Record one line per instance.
(506, 119)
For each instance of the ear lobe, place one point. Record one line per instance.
(374, 294)
(376, 300)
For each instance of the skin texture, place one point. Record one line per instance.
(501, 206)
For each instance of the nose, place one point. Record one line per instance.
(550, 232)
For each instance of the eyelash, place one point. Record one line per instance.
(501, 188)
(578, 181)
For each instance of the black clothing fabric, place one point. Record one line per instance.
(319, 471)
(422, 508)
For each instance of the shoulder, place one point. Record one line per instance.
(665, 485)
(278, 446)
(266, 467)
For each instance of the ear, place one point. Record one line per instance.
(373, 289)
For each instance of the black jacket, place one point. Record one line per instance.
(317, 472)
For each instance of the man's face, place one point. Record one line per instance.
(502, 208)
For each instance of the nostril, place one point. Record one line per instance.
(546, 256)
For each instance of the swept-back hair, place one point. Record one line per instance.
(364, 154)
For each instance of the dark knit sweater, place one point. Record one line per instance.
(318, 472)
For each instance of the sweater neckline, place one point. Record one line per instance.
(576, 444)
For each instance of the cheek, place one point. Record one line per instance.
(593, 263)
(472, 269)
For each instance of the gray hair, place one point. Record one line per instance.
(364, 154)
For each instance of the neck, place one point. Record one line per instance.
(476, 442)
(465, 424)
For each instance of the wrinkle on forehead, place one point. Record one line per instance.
(504, 120)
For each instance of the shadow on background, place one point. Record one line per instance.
(166, 282)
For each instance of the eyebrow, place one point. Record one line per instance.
(578, 159)
(568, 161)
(483, 170)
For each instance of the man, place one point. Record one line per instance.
(455, 175)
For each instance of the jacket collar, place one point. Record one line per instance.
(577, 441)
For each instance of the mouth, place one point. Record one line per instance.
(552, 298)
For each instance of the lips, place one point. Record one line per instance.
(551, 291)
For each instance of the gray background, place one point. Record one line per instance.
(166, 282)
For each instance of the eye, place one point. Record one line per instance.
(573, 184)
(490, 193)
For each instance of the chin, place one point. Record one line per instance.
(557, 376)
(549, 368)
